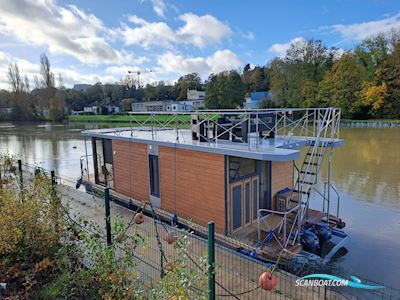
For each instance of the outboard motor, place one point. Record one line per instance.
(310, 242)
(323, 232)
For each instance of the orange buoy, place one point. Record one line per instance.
(139, 218)
(170, 238)
(267, 281)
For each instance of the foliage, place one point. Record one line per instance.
(363, 82)
(224, 90)
(48, 253)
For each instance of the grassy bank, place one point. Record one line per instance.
(122, 118)
(127, 119)
(387, 121)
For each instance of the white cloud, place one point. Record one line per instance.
(221, 60)
(159, 7)
(63, 29)
(360, 31)
(281, 49)
(148, 34)
(197, 30)
(202, 30)
(70, 77)
(249, 35)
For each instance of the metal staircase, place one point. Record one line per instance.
(307, 176)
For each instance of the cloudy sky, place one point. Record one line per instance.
(90, 41)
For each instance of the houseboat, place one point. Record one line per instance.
(256, 173)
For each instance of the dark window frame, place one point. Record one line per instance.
(154, 177)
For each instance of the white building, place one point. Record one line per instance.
(197, 98)
(179, 106)
(91, 109)
(149, 106)
(195, 95)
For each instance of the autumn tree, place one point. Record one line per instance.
(341, 86)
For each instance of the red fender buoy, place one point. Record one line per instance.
(267, 281)
(138, 218)
(170, 238)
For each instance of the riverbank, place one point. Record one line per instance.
(128, 118)
(370, 123)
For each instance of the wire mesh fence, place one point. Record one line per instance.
(236, 272)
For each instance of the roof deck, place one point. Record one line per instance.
(271, 134)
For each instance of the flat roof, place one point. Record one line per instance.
(272, 149)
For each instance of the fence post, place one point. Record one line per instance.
(211, 261)
(53, 184)
(108, 221)
(20, 171)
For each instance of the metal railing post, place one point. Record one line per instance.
(211, 261)
(108, 219)
(257, 133)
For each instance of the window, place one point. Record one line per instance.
(240, 168)
(154, 176)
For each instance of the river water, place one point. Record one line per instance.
(366, 172)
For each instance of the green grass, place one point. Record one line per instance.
(371, 121)
(123, 118)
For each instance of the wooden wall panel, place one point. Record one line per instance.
(131, 169)
(282, 176)
(200, 191)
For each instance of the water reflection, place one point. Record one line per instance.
(367, 166)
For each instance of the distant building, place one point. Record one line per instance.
(197, 98)
(6, 110)
(179, 106)
(195, 95)
(150, 106)
(91, 110)
(253, 102)
(81, 87)
(112, 109)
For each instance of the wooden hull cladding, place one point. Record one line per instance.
(131, 169)
(200, 186)
(282, 176)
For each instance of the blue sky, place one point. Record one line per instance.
(90, 41)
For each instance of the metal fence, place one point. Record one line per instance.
(234, 273)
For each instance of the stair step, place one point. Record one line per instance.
(316, 154)
(309, 173)
(303, 192)
(306, 182)
(311, 163)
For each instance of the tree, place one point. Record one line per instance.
(224, 90)
(388, 74)
(17, 85)
(21, 105)
(254, 79)
(342, 86)
(49, 97)
(47, 79)
(188, 82)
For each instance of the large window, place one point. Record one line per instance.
(154, 176)
(240, 168)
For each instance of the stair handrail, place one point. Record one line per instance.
(322, 128)
(283, 223)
